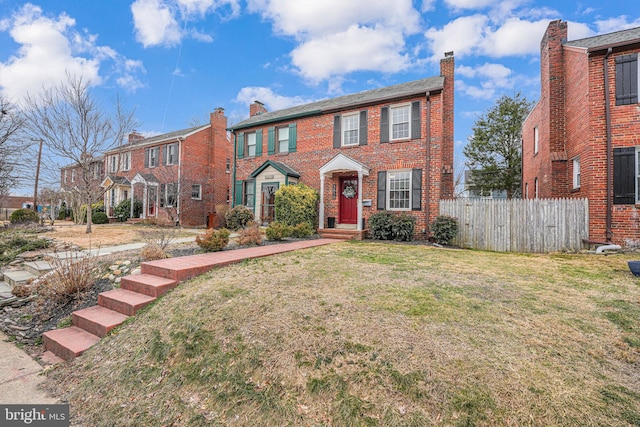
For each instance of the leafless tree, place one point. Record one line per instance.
(11, 124)
(75, 127)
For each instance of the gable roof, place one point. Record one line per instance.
(152, 140)
(279, 166)
(388, 93)
(604, 41)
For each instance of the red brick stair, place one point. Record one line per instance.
(68, 343)
(97, 320)
(124, 301)
(148, 284)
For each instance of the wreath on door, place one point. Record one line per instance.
(349, 191)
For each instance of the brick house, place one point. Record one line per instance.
(179, 176)
(581, 139)
(383, 149)
(73, 182)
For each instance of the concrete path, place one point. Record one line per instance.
(20, 377)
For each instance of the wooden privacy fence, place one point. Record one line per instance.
(522, 225)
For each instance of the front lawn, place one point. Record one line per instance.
(355, 334)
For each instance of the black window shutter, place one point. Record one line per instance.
(627, 79)
(384, 124)
(382, 190)
(337, 137)
(164, 155)
(416, 189)
(415, 120)
(146, 157)
(364, 126)
(624, 166)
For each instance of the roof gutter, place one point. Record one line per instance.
(607, 112)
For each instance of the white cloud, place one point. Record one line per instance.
(158, 22)
(155, 23)
(514, 37)
(356, 49)
(469, 4)
(461, 36)
(50, 47)
(616, 24)
(269, 98)
(337, 37)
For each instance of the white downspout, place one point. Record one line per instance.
(321, 206)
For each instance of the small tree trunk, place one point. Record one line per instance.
(88, 230)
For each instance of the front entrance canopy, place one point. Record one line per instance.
(339, 164)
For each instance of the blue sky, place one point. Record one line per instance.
(174, 61)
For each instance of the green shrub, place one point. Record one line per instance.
(295, 204)
(278, 231)
(239, 217)
(123, 210)
(24, 216)
(389, 226)
(301, 230)
(402, 227)
(443, 229)
(381, 225)
(99, 218)
(214, 240)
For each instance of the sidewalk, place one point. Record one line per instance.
(20, 377)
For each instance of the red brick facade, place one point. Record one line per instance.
(572, 117)
(424, 158)
(188, 187)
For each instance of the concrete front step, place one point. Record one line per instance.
(17, 277)
(124, 301)
(97, 320)
(37, 268)
(342, 234)
(68, 343)
(147, 284)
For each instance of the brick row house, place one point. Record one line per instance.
(383, 149)
(179, 176)
(582, 137)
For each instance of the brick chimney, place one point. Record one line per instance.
(256, 108)
(447, 67)
(135, 136)
(219, 121)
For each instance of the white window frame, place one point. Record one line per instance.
(535, 188)
(576, 173)
(153, 157)
(73, 175)
(350, 130)
(282, 143)
(172, 154)
(405, 175)
(198, 195)
(536, 140)
(125, 161)
(65, 179)
(113, 163)
(251, 144)
(393, 121)
(164, 198)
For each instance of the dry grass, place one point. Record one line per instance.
(109, 234)
(375, 334)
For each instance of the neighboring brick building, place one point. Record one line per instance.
(178, 176)
(581, 139)
(383, 149)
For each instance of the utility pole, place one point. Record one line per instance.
(35, 187)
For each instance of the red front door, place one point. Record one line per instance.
(348, 200)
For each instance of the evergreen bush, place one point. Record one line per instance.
(444, 229)
(381, 225)
(402, 227)
(239, 217)
(213, 240)
(278, 231)
(295, 204)
(24, 216)
(99, 218)
(301, 230)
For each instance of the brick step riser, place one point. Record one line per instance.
(129, 283)
(58, 349)
(121, 306)
(177, 275)
(53, 342)
(91, 326)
